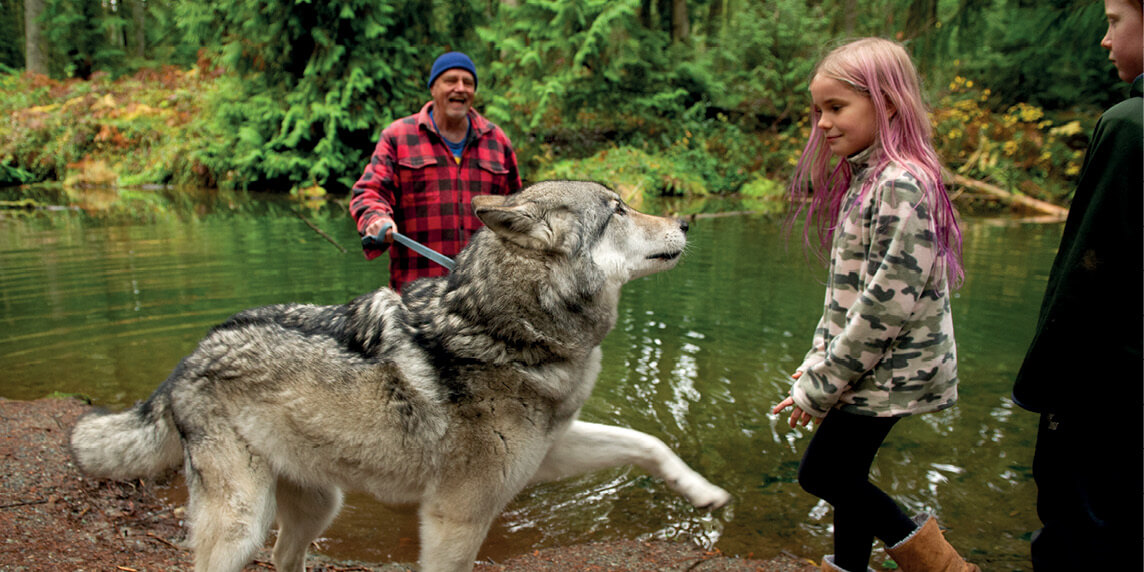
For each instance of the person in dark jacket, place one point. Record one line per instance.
(1083, 372)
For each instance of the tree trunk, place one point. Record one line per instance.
(921, 17)
(35, 57)
(920, 23)
(850, 17)
(139, 15)
(715, 19)
(680, 22)
(646, 14)
(663, 15)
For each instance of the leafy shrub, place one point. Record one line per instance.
(632, 172)
(141, 129)
(1020, 148)
(307, 86)
(1044, 53)
(765, 195)
(292, 94)
(599, 69)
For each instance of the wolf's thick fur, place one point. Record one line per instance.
(454, 396)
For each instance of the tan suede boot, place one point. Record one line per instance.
(926, 550)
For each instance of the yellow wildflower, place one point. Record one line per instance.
(1029, 113)
(1067, 130)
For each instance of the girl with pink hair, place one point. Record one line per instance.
(871, 186)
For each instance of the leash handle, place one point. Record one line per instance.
(378, 242)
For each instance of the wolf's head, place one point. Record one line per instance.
(575, 219)
(543, 278)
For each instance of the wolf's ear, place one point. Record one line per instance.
(516, 223)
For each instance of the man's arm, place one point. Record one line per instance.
(374, 194)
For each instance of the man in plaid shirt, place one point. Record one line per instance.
(426, 169)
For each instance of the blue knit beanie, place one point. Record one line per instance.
(452, 60)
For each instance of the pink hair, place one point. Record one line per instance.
(881, 70)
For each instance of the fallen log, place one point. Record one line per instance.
(1049, 209)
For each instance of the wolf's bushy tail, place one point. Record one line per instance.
(139, 442)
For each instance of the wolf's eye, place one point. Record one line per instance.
(620, 209)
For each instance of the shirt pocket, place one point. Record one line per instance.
(419, 177)
(493, 173)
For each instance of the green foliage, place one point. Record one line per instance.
(83, 37)
(763, 188)
(1020, 148)
(764, 59)
(631, 172)
(10, 176)
(761, 194)
(11, 35)
(77, 35)
(292, 94)
(592, 56)
(706, 156)
(65, 395)
(1046, 53)
(597, 75)
(133, 130)
(166, 41)
(310, 84)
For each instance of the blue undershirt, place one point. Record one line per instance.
(456, 148)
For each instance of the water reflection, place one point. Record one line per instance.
(106, 303)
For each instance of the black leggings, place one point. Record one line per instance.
(836, 468)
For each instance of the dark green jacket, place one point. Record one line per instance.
(1086, 353)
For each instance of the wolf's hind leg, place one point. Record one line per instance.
(231, 505)
(303, 513)
(587, 447)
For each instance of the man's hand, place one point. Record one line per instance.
(375, 227)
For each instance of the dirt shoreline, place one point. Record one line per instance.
(54, 518)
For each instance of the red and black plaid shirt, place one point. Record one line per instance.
(414, 179)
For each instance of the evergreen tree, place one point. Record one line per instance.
(11, 34)
(311, 84)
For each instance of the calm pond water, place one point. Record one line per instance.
(105, 302)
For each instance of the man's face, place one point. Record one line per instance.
(453, 93)
(1125, 37)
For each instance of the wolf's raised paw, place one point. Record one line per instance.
(712, 499)
(701, 493)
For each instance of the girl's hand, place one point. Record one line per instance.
(797, 415)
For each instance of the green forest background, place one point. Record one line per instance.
(655, 97)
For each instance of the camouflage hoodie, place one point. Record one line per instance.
(884, 346)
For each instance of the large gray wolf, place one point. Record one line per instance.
(455, 395)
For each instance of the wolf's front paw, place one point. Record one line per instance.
(701, 493)
(711, 499)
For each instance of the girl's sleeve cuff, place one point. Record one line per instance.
(815, 405)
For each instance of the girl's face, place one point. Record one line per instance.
(845, 116)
